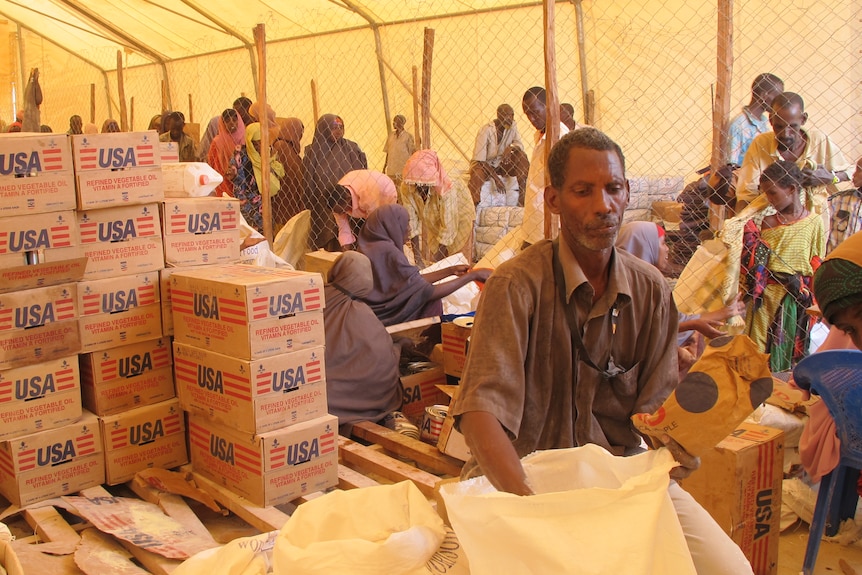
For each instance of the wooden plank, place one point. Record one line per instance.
(262, 518)
(174, 506)
(425, 455)
(350, 479)
(153, 562)
(48, 524)
(385, 466)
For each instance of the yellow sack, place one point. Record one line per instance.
(389, 529)
(593, 513)
(729, 381)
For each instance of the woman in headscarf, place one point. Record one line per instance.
(425, 192)
(207, 139)
(838, 292)
(327, 159)
(400, 292)
(110, 126)
(249, 175)
(362, 379)
(229, 140)
(782, 249)
(286, 149)
(647, 241)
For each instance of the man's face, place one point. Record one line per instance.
(857, 175)
(592, 199)
(76, 124)
(177, 128)
(506, 116)
(397, 124)
(787, 124)
(534, 109)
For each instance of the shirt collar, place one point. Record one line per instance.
(618, 292)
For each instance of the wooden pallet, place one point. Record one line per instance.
(373, 456)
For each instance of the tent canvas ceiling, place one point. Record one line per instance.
(163, 30)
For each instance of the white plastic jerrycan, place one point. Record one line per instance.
(189, 179)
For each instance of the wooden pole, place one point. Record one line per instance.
(263, 185)
(191, 111)
(132, 114)
(721, 105)
(121, 93)
(586, 93)
(417, 126)
(315, 106)
(92, 103)
(552, 104)
(427, 58)
(164, 97)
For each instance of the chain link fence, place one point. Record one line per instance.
(645, 73)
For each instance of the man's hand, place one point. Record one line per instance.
(819, 176)
(688, 463)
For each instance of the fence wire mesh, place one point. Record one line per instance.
(645, 74)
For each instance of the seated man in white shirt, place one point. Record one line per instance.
(495, 139)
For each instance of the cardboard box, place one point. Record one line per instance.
(739, 484)
(121, 241)
(320, 261)
(248, 311)
(38, 325)
(251, 396)
(142, 438)
(40, 275)
(420, 390)
(119, 311)
(199, 231)
(36, 239)
(126, 377)
(165, 291)
(271, 468)
(38, 397)
(454, 338)
(117, 169)
(52, 463)
(30, 308)
(451, 441)
(169, 152)
(36, 174)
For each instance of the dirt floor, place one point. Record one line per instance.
(791, 552)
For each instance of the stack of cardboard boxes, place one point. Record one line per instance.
(249, 364)
(48, 445)
(87, 394)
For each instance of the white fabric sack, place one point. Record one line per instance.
(463, 299)
(593, 513)
(389, 529)
(242, 556)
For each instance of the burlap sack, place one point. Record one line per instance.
(721, 389)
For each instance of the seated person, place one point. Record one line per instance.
(845, 209)
(400, 292)
(357, 194)
(362, 379)
(646, 241)
(492, 142)
(431, 207)
(838, 291)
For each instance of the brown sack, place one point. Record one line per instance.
(722, 388)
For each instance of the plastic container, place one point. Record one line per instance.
(189, 179)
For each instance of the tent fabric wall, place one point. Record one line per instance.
(651, 66)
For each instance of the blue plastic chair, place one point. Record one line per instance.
(836, 376)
